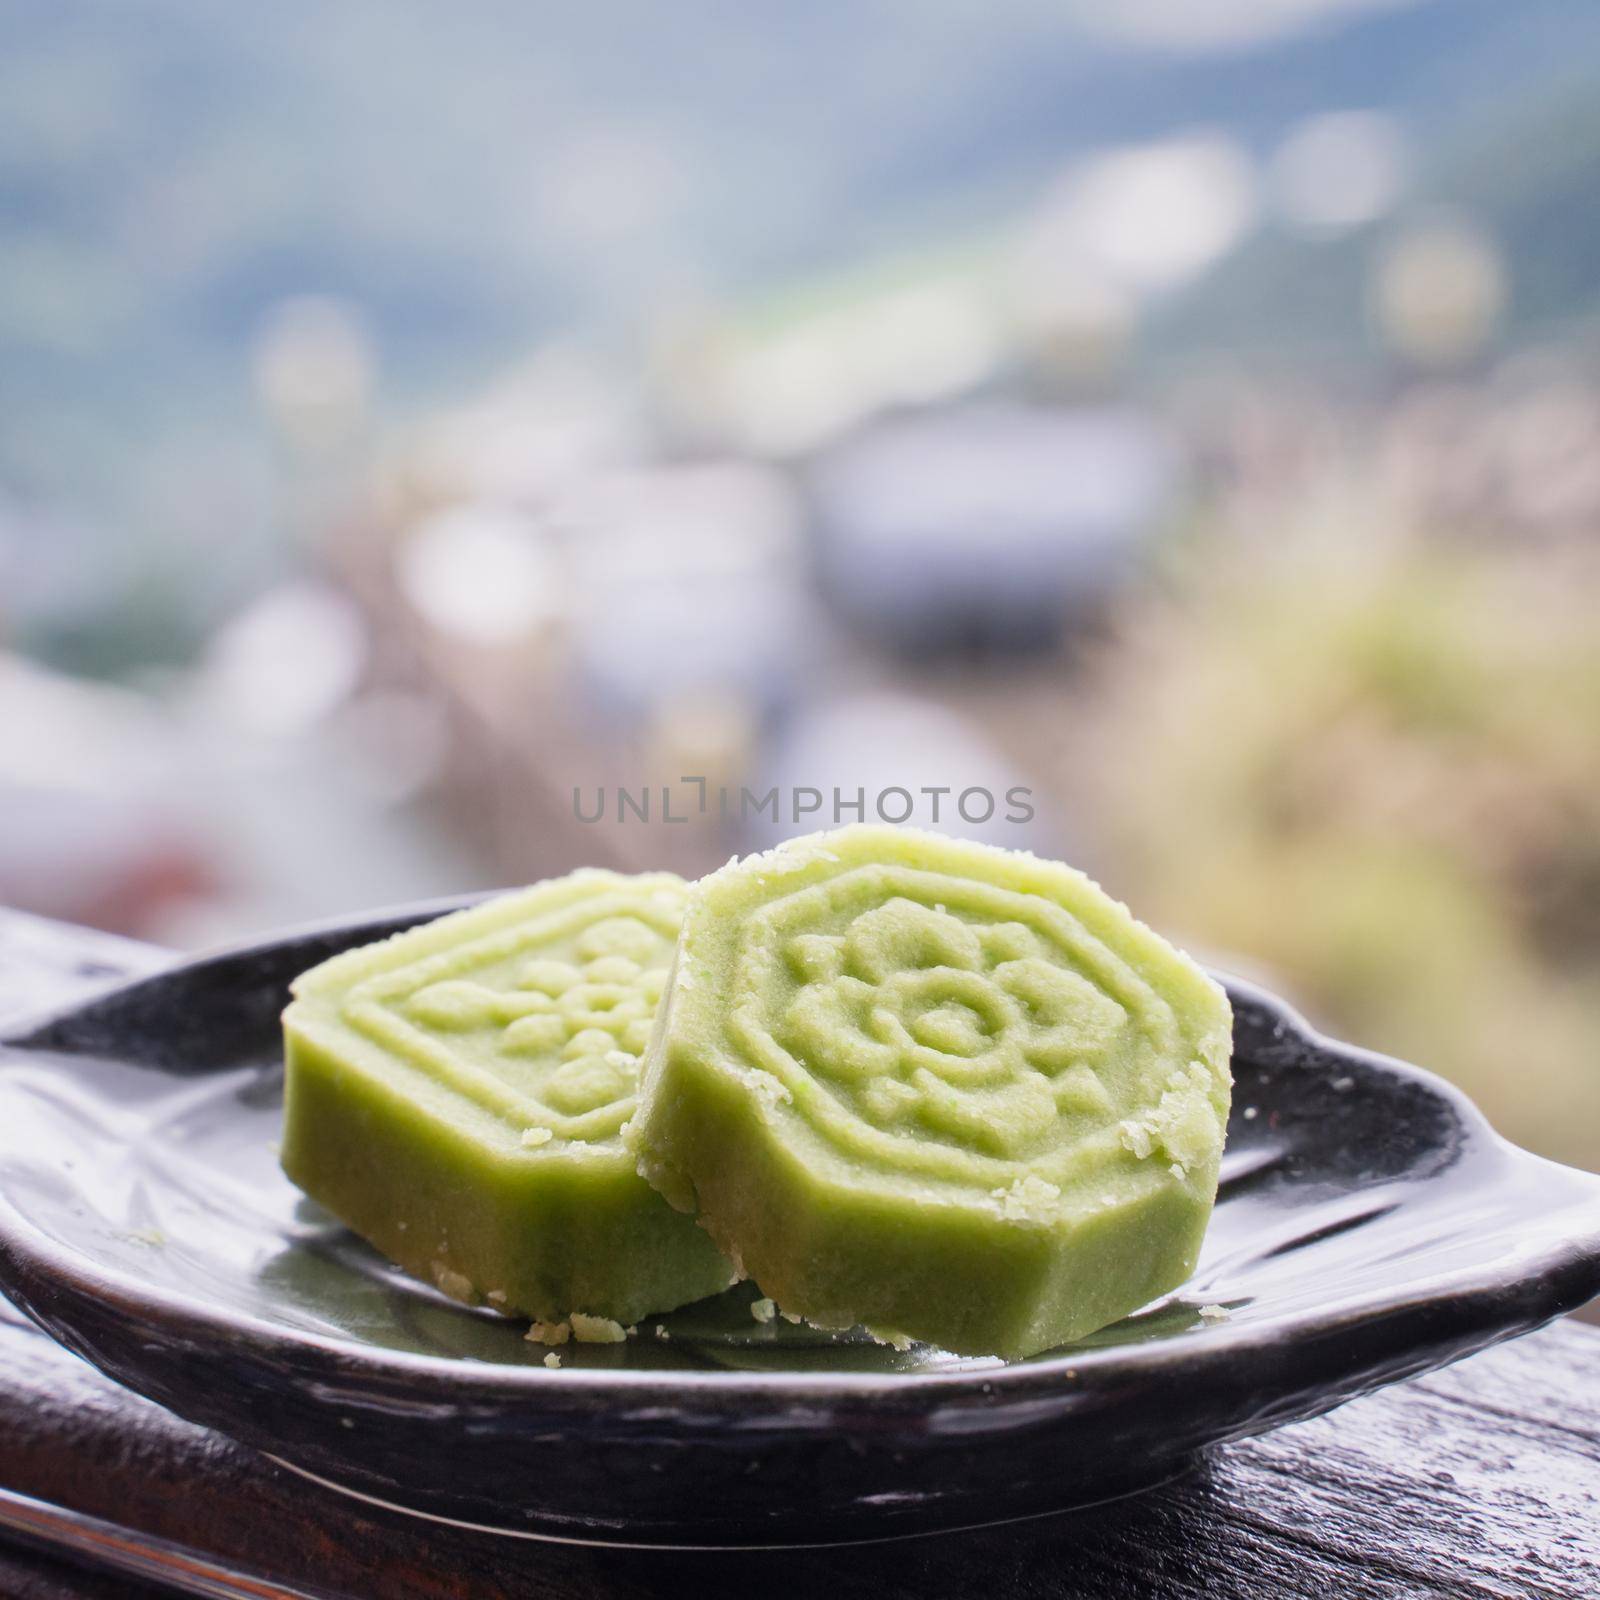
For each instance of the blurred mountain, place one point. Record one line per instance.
(1522, 176)
(467, 180)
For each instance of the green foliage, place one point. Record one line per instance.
(1375, 770)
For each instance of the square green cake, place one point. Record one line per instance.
(954, 1093)
(456, 1095)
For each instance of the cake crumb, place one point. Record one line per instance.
(1341, 1084)
(552, 1360)
(631, 1329)
(1026, 1198)
(596, 1330)
(532, 1138)
(1139, 1137)
(662, 1333)
(763, 1310)
(153, 1237)
(548, 1333)
(456, 1285)
(771, 1089)
(496, 1297)
(790, 1316)
(1250, 1113)
(1213, 1313)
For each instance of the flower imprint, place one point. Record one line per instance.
(924, 1050)
(969, 1031)
(543, 1024)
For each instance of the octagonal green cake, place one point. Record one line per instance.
(456, 1095)
(954, 1093)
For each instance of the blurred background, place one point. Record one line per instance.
(418, 420)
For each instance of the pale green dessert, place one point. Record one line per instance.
(950, 1092)
(456, 1095)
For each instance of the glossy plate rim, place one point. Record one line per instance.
(1560, 1276)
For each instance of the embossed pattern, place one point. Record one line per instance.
(929, 1022)
(957, 1036)
(456, 1096)
(541, 1023)
(1369, 1226)
(952, 1092)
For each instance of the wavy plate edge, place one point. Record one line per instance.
(29, 1263)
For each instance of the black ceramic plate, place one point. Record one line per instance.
(1370, 1226)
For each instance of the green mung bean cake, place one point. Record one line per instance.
(954, 1093)
(456, 1095)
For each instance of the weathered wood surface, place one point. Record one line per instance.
(1480, 1481)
